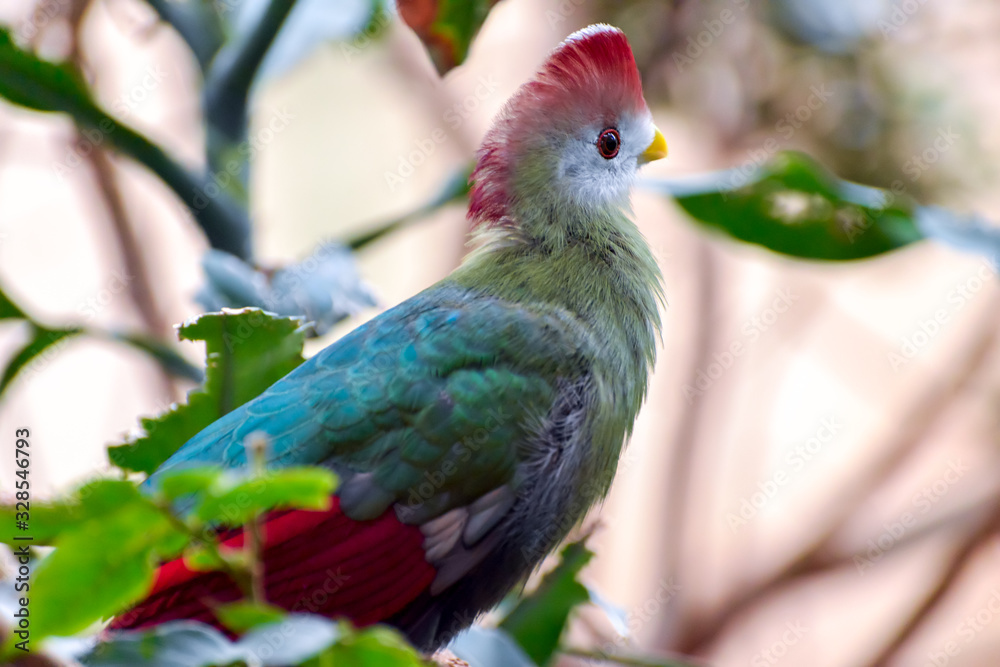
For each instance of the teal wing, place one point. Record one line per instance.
(428, 407)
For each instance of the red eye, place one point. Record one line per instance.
(609, 142)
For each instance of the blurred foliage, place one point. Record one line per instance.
(45, 86)
(793, 206)
(446, 27)
(748, 70)
(323, 288)
(43, 339)
(317, 642)
(109, 536)
(537, 620)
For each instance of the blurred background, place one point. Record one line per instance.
(814, 477)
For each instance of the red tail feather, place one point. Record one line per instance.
(316, 562)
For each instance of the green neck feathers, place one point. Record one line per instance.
(600, 269)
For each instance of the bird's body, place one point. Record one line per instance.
(473, 425)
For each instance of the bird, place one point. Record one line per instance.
(474, 425)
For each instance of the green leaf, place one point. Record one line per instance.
(244, 615)
(376, 646)
(248, 350)
(200, 559)
(446, 27)
(297, 639)
(795, 207)
(103, 563)
(41, 340)
(8, 309)
(50, 520)
(236, 502)
(180, 482)
(42, 85)
(538, 620)
(57, 87)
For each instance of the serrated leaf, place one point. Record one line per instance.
(446, 27)
(792, 205)
(248, 350)
(297, 487)
(538, 620)
(245, 615)
(46, 86)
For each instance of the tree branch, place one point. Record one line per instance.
(987, 530)
(227, 84)
(196, 23)
(914, 426)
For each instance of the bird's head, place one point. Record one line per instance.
(567, 145)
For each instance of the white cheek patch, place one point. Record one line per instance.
(591, 180)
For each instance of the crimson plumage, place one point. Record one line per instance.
(364, 570)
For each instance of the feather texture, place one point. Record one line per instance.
(475, 424)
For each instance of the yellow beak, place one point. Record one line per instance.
(656, 150)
